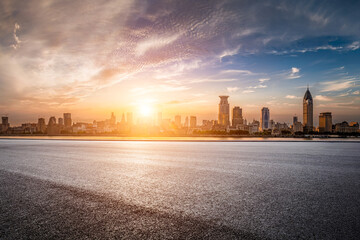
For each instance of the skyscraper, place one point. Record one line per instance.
(308, 111)
(325, 122)
(237, 118)
(52, 128)
(265, 118)
(295, 119)
(67, 120)
(41, 125)
(224, 111)
(61, 121)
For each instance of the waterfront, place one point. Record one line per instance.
(179, 189)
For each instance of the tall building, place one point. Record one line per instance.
(61, 121)
(325, 122)
(192, 122)
(297, 126)
(4, 124)
(41, 125)
(237, 117)
(224, 111)
(52, 128)
(178, 121)
(67, 120)
(265, 119)
(295, 119)
(308, 111)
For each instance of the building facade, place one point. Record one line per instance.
(308, 112)
(325, 122)
(237, 118)
(265, 119)
(41, 125)
(224, 111)
(67, 120)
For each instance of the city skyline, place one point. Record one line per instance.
(227, 115)
(92, 58)
(227, 120)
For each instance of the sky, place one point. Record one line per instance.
(91, 58)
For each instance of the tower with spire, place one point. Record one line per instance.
(308, 111)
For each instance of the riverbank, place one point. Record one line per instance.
(185, 139)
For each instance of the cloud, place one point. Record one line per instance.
(357, 92)
(230, 52)
(354, 45)
(248, 91)
(295, 70)
(262, 80)
(232, 89)
(237, 71)
(294, 73)
(16, 38)
(343, 95)
(334, 86)
(203, 80)
(125, 39)
(258, 86)
(322, 98)
(154, 43)
(292, 97)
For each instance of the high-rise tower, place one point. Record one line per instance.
(237, 117)
(224, 111)
(308, 111)
(265, 118)
(67, 120)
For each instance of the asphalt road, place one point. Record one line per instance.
(35, 209)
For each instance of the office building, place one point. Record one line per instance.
(237, 118)
(295, 119)
(308, 112)
(325, 122)
(67, 120)
(53, 128)
(41, 125)
(265, 119)
(344, 127)
(61, 121)
(4, 124)
(224, 111)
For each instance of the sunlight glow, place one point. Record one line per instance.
(146, 110)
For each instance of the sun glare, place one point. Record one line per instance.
(146, 110)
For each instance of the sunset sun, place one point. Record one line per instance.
(146, 110)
